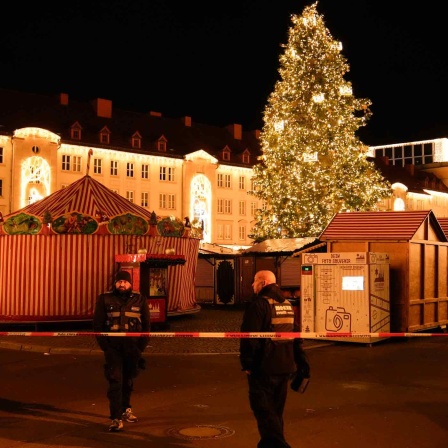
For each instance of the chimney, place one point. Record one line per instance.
(410, 168)
(236, 130)
(187, 121)
(103, 108)
(155, 114)
(63, 99)
(256, 133)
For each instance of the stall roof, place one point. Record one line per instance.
(86, 196)
(444, 224)
(369, 226)
(283, 246)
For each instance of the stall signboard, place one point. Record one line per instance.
(345, 293)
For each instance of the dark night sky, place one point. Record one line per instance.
(219, 63)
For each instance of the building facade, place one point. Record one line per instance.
(193, 171)
(172, 166)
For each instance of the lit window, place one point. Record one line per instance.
(226, 154)
(171, 202)
(166, 173)
(145, 199)
(114, 168)
(253, 208)
(129, 169)
(223, 180)
(97, 166)
(77, 163)
(65, 162)
(167, 201)
(246, 156)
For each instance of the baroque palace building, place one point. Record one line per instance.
(172, 166)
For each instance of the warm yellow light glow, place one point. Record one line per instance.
(279, 126)
(35, 180)
(36, 133)
(399, 186)
(201, 154)
(399, 205)
(200, 205)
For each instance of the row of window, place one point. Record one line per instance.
(73, 163)
(166, 201)
(136, 142)
(416, 154)
(224, 232)
(225, 207)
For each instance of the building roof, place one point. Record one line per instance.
(381, 226)
(444, 224)
(415, 180)
(183, 136)
(282, 245)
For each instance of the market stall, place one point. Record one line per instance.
(58, 254)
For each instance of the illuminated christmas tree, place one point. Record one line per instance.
(312, 164)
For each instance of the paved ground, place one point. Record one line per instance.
(209, 319)
(393, 394)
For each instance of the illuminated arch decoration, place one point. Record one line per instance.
(201, 195)
(35, 180)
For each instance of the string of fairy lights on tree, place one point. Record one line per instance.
(312, 164)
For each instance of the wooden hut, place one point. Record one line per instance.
(418, 254)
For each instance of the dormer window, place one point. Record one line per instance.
(226, 153)
(75, 131)
(105, 136)
(161, 144)
(136, 140)
(246, 156)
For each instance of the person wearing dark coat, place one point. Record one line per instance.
(123, 311)
(269, 364)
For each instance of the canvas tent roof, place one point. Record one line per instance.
(88, 197)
